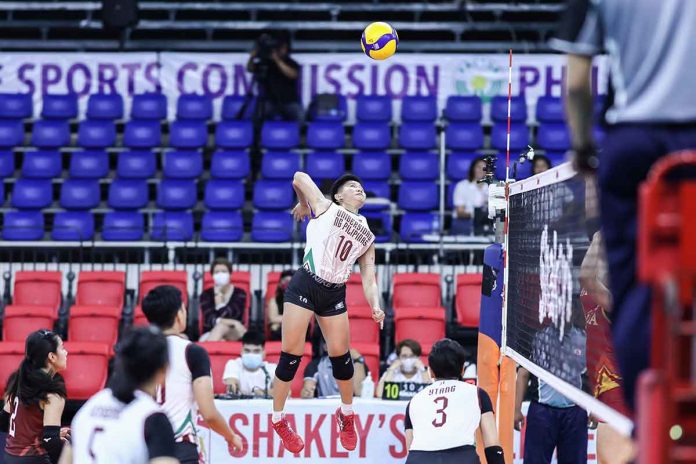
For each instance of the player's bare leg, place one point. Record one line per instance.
(612, 447)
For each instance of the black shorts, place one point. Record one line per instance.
(459, 455)
(12, 459)
(311, 292)
(186, 453)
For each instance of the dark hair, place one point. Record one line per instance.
(220, 262)
(446, 359)
(472, 166)
(409, 343)
(339, 183)
(252, 337)
(541, 158)
(30, 383)
(161, 305)
(286, 273)
(141, 353)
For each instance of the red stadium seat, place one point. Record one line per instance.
(468, 299)
(139, 318)
(425, 352)
(241, 279)
(425, 325)
(22, 320)
(362, 328)
(369, 351)
(152, 279)
(416, 290)
(95, 324)
(38, 288)
(354, 292)
(272, 279)
(11, 354)
(220, 353)
(101, 288)
(87, 370)
(273, 355)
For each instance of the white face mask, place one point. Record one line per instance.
(408, 365)
(252, 361)
(221, 278)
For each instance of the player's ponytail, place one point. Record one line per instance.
(139, 357)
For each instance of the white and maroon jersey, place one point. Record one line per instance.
(446, 415)
(90, 424)
(335, 240)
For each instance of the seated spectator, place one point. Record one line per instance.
(468, 197)
(319, 381)
(274, 308)
(407, 367)
(251, 374)
(222, 307)
(540, 164)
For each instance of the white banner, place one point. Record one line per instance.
(380, 426)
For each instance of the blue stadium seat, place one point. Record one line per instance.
(89, 164)
(73, 226)
(96, 133)
(50, 134)
(556, 157)
(415, 225)
(232, 104)
(176, 194)
(553, 136)
(123, 226)
(377, 190)
(598, 133)
(229, 165)
(280, 135)
(11, 133)
(136, 164)
(42, 164)
(380, 223)
(2, 193)
(375, 108)
(449, 201)
(188, 134)
(549, 109)
(372, 165)
(222, 226)
(339, 114)
(461, 108)
(224, 194)
(128, 194)
(522, 171)
(149, 106)
(32, 194)
(419, 166)
(172, 226)
(178, 164)
(279, 164)
(16, 106)
(273, 194)
(325, 135)
(80, 194)
(371, 136)
(419, 109)
(458, 164)
(598, 108)
(519, 137)
(418, 196)
(105, 106)
(191, 106)
(272, 226)
(59, 106)
(234, 134)
(7, 164)
(23, 225)
(465, 136)
(325, 165)
(417, 136)
(499, 109)
(142, 134)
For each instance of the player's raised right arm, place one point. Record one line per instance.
(309, 194)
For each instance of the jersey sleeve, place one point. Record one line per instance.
(484, 401)
(579, 30)
(159, 436)
(407, 418)
(198, 361)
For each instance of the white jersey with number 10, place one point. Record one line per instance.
(335, 240)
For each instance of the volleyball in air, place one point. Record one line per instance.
(379, 40)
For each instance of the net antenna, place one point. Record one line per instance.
(507, 148)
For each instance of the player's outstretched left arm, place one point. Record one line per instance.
(369, 283)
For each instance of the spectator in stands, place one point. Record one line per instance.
(276, 74)
(223, 305)
(540, 164)
(319, 381)
(250, 374)
(468, 197)
(407, 367)
(274, 308)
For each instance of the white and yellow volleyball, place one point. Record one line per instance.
(379, 40)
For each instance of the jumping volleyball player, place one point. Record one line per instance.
(337, 236)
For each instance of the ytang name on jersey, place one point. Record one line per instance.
(353, 228)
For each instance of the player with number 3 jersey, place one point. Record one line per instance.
(337, 237)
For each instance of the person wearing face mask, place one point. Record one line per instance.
(250, 374)
(469, 196)
(407, 368)
(222, 306)
(274, 306)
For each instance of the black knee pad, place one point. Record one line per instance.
(287, 366)
(342, 366)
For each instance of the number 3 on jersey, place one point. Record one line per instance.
(343, 248)
(440, 420)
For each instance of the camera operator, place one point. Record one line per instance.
(276, 74)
